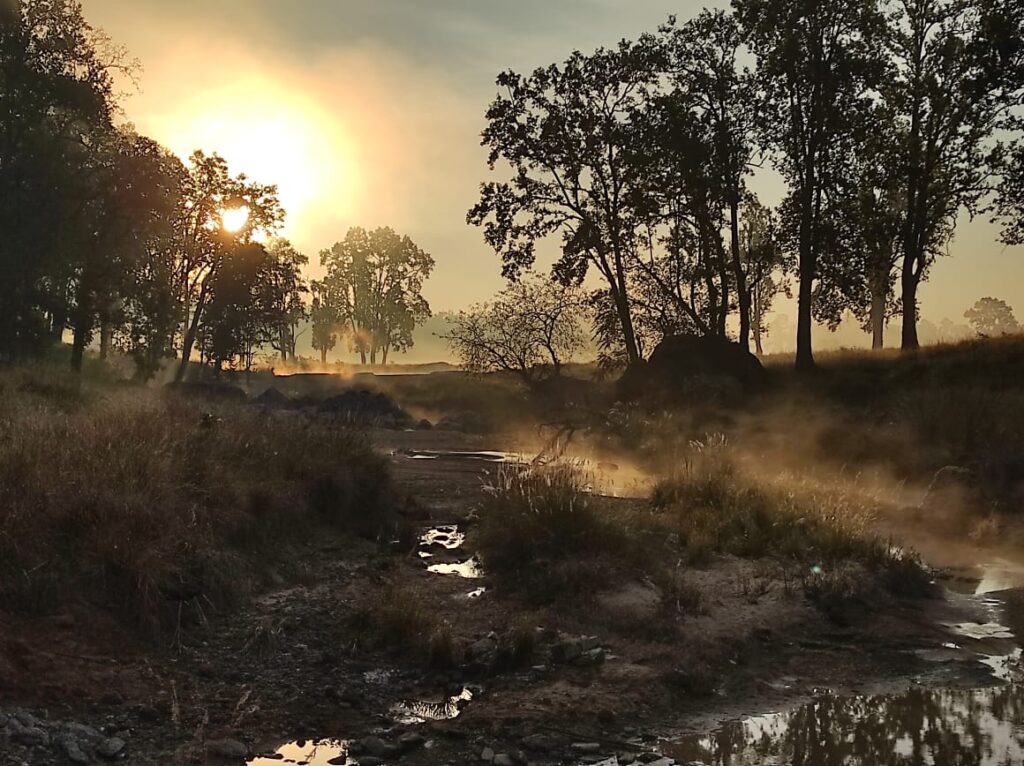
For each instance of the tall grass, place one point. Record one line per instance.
(142, 501)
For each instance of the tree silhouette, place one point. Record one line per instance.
(991, 317)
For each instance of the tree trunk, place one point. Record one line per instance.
(742, 291)
(82, 335)
(909, 282)
(323, 356)
(804, 354)
(878, 302)
(189, 340)
(106, 337)
(384, 355)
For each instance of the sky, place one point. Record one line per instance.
(368, 113)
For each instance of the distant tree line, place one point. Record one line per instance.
(107, 234)
(887, 119)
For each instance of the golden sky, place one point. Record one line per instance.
(368, 113)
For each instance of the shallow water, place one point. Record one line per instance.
(945, 727)
(469, 569)
(314, 753)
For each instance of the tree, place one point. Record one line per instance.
(286, 288)
(958, 67)
(709, 129)
(57, 99)
(204, 243)
(531, 329)
(991, 317)
(373, 286)
(765, 262)
(566, 133)
(817, 62)
(324, 321)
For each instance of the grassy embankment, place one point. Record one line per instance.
(151, 505)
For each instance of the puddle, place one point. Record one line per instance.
(981, 631)
(983, 727)
(469, 569)
(483, 456)
(415, 712)
(477, 593)
(447, 536)
(314, 753)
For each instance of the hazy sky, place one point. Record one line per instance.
(368, 112)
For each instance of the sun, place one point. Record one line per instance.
(234, 219)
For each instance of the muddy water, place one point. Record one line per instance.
(941, 727)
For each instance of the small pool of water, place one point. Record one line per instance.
(469, 569)
(313, 752)
(945, 727)
(485, 456)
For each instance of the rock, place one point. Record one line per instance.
(81, 730)
(30, 736)
(587, 643)
(272, 399)
(367, 760)
(487, 755)
(375, 746)
(70, 747)
(362, 407)
(586, 748)
(465, 422)
(681, 364)
(112, 747)
(483, 648)
(593, 657)
(566, 650)
(540, 743)
(411, 740)
(424, 425)
(227, 748)
(503, 759)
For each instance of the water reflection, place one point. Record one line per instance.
(981, 727)
(312, 752)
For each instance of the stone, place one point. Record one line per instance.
(81, 731)
(487, 755)
(369, 760)
(483, 648)
(539, 743)
(409, 741)
(586, 748)
(375, 746)
(30, 736)
(503, 759)
(111, 747)
(73, 751)
(227, 748)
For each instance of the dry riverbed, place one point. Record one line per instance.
(298, 675)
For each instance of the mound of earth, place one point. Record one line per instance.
(681, 363)
(274, 400)
(360, 406)
(209, 390)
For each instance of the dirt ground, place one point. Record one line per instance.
(598, 680)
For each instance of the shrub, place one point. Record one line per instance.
(145, 502)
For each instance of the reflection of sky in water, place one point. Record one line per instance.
(447, 537)
(468, 569)
(981, 727)
(314, 753)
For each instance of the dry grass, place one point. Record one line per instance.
(144, 502)
(399, 620)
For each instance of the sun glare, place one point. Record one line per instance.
(272, 134)
(234, 219)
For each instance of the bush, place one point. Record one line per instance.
(145, 502)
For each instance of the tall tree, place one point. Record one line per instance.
(714, 110)
(204, 242)
(565, 132)
(325, 322)
(958, 68)
(286, 288)
(374, 285)
(818, 61)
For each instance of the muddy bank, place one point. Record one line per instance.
(297, 675)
